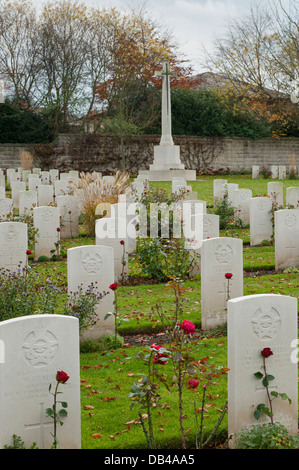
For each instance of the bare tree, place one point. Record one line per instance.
(20, 65)
(62, 35)
(261, 50)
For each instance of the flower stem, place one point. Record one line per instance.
(267, 390)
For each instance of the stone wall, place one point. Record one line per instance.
(196, 152)
(9, 154)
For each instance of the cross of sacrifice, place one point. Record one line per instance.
(166, 103)
(1, 91)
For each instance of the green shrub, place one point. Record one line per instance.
(43, 259)
(227, 215)
(266, 436)
(22, 126)
(104, 343)
(202, 113)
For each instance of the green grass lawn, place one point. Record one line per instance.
(108, 422)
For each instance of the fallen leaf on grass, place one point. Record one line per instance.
(97, 435)
(88, 407)
(109, 398)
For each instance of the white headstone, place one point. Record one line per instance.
(286, 227)
(241, 200)
(36, 348)
(256, 322)
(219, 256)
(261, 227)
(27, 201)
(54, 174)
(275, 191)
(6, 207)
(46, 219)
(292, 196)
(282, 172)
(45, 194)
(274, 171)
(178, 185)
(45, 177)
(61, 187)
(230, 188)
(16, 187)
(33, 182)
(128, 211)
(25, 174)
(14, 245)
(210, 226)
(69, 212)
(94, 264)
(111, 231)
(255, 172)
(219, 188)
(9, 173)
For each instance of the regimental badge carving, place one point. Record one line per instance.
(266, 323)
(244, 195)
(11, 235)
(224, 254)
(290, 220)
(261, 204)
(207, 226)
(92, 263)
(47, 215)
(40, 347)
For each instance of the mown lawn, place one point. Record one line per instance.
(108, 422)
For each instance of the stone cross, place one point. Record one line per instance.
(166, 137)
(1, 91)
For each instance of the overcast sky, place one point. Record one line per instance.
(194, 23)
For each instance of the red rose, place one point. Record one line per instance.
(61, 376)
(193, 384)
(58, 229)
(228, 275)
(113, 286)
(122, 242)
(188, 327)
(159, 358)
(266, 352)
(28, 252)
(156, 346)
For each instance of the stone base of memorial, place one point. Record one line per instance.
(168, 175)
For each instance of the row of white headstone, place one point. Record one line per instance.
(253, 322)
(277, 171)
(34, 348)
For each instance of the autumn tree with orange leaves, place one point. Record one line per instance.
(129, 98)
(69, 60)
